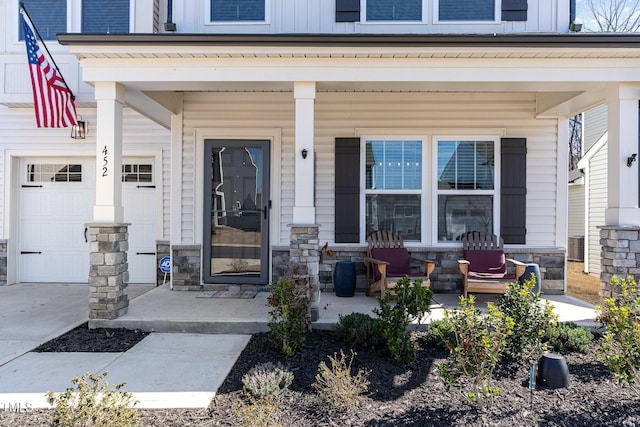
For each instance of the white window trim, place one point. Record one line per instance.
(435, 192)
(363, 16)
(496, 16)
(208, 22)
(423, 191)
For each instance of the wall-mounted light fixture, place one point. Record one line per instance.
(304, 153)
(80, 129)
(631, 159)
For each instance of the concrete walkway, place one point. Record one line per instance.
(167, 368)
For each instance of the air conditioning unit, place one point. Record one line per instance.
(576, 248)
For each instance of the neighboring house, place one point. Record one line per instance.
(575, 230)
(263, 128)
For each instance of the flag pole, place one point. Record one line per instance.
(24, 9)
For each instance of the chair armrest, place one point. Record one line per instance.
(464, 266)
(382, 265)
(429, 265)
(520, 267)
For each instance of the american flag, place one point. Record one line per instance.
(52, 99)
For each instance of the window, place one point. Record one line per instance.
(54, 173)
(48, 16)
(108, 17)
(393, 187)
(466, 190)
(466, 10)
(237, 10)
(394, 10)
(137, 173)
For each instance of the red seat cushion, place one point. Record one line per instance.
(486, 262)
(398, 259)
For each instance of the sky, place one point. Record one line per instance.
(583, 14)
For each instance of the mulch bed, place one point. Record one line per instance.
(412, 395)
(83, 339)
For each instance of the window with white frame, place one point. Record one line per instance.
(48, 16)
(237, 10)
(393, 10)
(466, 187)
(393, 186)
(466, 10)
(108, 17)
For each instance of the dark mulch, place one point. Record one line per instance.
(407, 396)
(83, 339)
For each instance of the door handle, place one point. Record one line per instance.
(85, 234)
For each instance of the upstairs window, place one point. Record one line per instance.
(105, 17)
(48, 16)
(467, 10)
(237, 10)
(394, 10)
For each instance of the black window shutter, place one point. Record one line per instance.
(347, 10)
(347, 201)
(514, 10)
(513, 191)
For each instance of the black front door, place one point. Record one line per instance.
(236, 212)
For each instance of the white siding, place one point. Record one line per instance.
(595, 125)
(597, 205)
(318, 16)
(576, 210)
(18, 132)
(343, 114)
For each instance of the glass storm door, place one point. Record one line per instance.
(236, 212)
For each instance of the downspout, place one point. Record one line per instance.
(169, 25)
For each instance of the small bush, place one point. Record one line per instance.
(620, 344)
(440, 334)
(259, 413)
(531, 320)
(93, 403)
(289, 315)
(480, 340)
(267, 380)
(337, 386)
(568, 337)
(412, 302)
(360, 330)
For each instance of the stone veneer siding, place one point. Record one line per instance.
(185, 267)
(108, 271)
(304, 258)
(3, 262)
(446, 277)
(163, 249)
(620, 255)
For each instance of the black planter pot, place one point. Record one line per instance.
(344, 279)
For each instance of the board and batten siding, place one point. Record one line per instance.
(19, 132)
(597, 205)
(346, 114)
(318, 16)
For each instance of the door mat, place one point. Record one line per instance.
(228, 294)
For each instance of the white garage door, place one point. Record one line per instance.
(56, 201)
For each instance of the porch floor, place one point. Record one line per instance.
(164, 310)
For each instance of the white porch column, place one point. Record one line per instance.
(304, 211)
(109, 99)
(622, 206)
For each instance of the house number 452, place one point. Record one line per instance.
(105, 169)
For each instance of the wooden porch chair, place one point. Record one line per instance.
(388, 260)
(484, 266)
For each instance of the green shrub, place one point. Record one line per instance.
(568, 337)
(479, 342)
(267, 380)
(93, 403)
(289, 315)
(359, 330)
(337, 386)
(440, 334)
(621, 341)
(531, 319)
(412, 302)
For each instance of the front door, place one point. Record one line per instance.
(236, 215)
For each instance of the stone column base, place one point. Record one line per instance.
(304, 257)
(620, 256)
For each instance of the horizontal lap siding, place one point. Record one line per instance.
(340, 114)
(597, 205)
